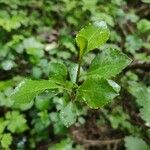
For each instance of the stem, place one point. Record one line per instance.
(78, 71)
(73, 93)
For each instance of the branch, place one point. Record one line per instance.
(81, 139)
(100, 142)
(139, 65)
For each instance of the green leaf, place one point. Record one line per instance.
(16, 122)
(108, 64)
(97, 92)
(145, 113)
(133, 43)
(104, 16)
(89, 5)
(143, 25)
(26, 91)
(82, 44)
(92, 36)
(33, 47)
(6, 140)
(36, 72)
(5, 84)
(146, 1)
(140, 92)
(65, 144)
(58, 71)
(142, 95)
(11, 23)
(135, 143)
(7, 64)
(3, 124)
(68, 114)
(42, 102)
(119, 119)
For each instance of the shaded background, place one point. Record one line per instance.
(34, 33)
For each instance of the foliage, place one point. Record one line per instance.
(142, 94)
(96, 92)
(56, 73)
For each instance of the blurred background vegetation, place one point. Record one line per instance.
(34, 33)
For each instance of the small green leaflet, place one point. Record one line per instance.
(5, 140)
(92, 36)
(108, 64)
(68, 114)
(16, 122)
(26, 91)
(98, 92)
(82, 44)
(135, 143)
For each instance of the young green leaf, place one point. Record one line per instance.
(26, 91)
(108, 64)
(82, 43)
(92, 36)
(68, 114)
(98, 92)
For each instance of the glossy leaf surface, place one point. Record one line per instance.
(108, 64)
(97, 92)
(68, 114)
(26, 91)
(92, 36)
(58, 71)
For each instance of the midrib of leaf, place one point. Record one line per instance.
(101, 67)
(36, 91)
(89, 91)
(42, 89)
